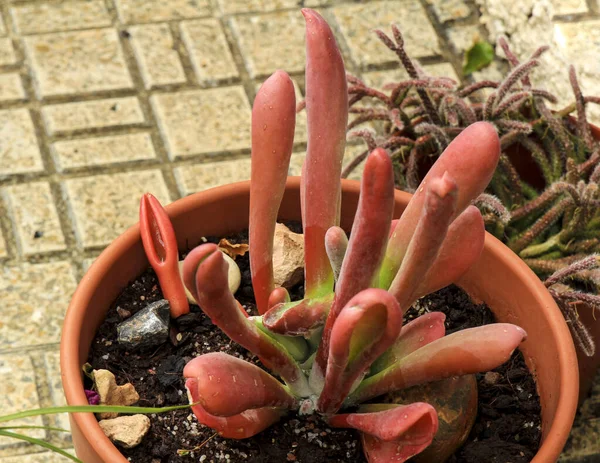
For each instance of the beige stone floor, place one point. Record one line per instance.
(101, 100)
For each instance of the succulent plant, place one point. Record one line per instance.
(344, 343)
(543, 198)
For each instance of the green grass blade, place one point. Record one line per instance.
(41, 443)
(90, 409)
(47, 428)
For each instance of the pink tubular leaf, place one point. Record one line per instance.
(273, 123)
(365, 328)
(470, 160)
(459, 251)
(392, 433)
(367, 242)
(327, 116)
(465, 352)
(414, 335)
(190, 265)
(242, 426)
(160, 245)
(278, 296)
(336, 243)
(299, 318)
(438, 209)
(226, 385)
(208, 269)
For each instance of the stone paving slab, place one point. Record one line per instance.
(143, 11)
(102, 100)
(11, 87)
(19, 150)
(88, 115)
(37, 18)
(101, 151)
(7, 52)
(34, 300)
(203, 121)
(34, 215)
(104, 206)
(18, 391)
(271, 41)
(45, 457)
(70, 63)
(357, 22)
(209, 51)
(157, 57)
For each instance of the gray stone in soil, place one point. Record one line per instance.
(147, 328)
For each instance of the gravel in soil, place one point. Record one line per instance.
(507, 429)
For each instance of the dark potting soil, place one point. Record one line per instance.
(507, 429)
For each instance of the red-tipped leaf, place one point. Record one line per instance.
(465, 352)
(215, 299)
(414, 335)
(367, 242)
(459, 251)
(392, 433)
(470, 160)
(278, 296)
(327, 116)
(438, 209)
(273, 123)
(299, 318)
(365, 328)
(242, 426)
(227, 385)
(160, 245)
(336, 243)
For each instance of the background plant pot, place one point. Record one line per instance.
(588, 366)
(500, 278)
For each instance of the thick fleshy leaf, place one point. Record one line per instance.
(391, 433)
(327, 117)
(336, 243)
(414, 335)
(278, 296)
(242, 426)
(455, 401)
(160, 245)
(273, 123)
(470, 160)
(365, 328)
(367, 242)
(226, 385)
(438, 209)
(459, 251)
(298, 318)
(465, 352)
(215, 299)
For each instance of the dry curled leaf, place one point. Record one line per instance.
(232, 250)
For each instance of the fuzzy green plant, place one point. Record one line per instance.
(543, 199)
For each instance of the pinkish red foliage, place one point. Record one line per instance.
(273, 121)
(349, 336)
(160, 245)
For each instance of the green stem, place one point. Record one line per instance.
(39, 442)
(90, 409)
(47, 428)
(535, 250)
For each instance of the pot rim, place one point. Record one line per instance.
(71, 374)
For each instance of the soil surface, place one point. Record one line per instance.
(507, 427)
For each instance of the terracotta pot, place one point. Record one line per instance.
(588, 366)
(500, 279)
